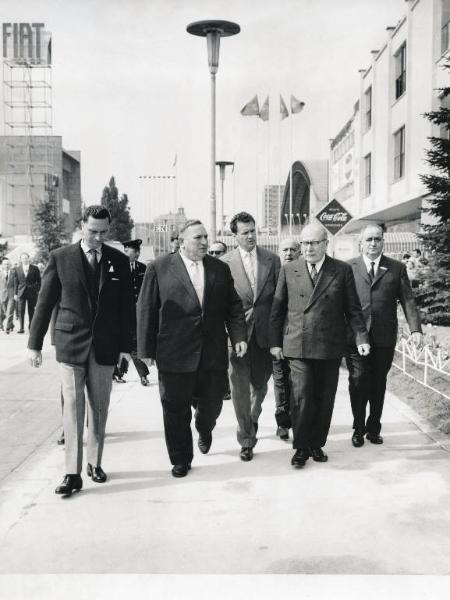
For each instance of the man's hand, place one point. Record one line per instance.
(240, 349)
(417, 339)
(364, 349)
(277, 353)
(124, 355)
(35, 357)
(148, 361)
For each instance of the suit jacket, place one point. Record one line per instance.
(257, 310)
(175, 329)
(77, 325)
(310, 322)
(7, 287)
(137, 277)
(379, 299)
(27, 287)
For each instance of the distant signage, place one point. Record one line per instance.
(27, 43)
(333, 216)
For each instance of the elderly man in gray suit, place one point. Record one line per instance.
(6, 296)
(86, 292)
(255, 273)
(314, 300)
(381, 282)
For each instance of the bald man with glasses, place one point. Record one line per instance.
(314, 299)
(381, 282)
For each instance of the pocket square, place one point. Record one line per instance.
(115, 279)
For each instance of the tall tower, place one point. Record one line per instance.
(27, 118)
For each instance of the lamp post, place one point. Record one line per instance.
(213, 30)
(222, 164)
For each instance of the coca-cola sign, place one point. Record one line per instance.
(333, 216)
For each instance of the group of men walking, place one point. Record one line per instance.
(208, 320)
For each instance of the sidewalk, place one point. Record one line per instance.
(376, 510)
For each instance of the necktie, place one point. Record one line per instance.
(92, 258)
(197, 280)
(372, 271)
(249, 270)
(314, 274)
(132, 266)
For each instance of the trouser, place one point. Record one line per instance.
(248, 377)
(282, 390)
(97, 379)
(367, 384)
(314, 385)
(7, 313)
(31, 303)
(201, 389)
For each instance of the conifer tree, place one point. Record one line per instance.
(49, 232)
(122, 223)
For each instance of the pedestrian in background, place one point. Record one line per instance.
(27, 283)
(6, 296)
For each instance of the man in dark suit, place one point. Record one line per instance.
(89, 283)
(289, 250)
(27, 282)
(314, 299)
(186, 301)
(255, 273)
(6, 296)
(380, 282)
(132, 249)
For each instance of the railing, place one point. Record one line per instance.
(428, 366)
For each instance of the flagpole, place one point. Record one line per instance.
(279, 182)
(268, 171)
(257, 173)
(290, 185)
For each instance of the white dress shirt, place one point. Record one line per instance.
(250, 262)
(318, 265)
(87, 252)
(369, 262)
(196, 272)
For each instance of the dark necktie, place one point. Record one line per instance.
(92, 257)
(372, 271)
(314, 274)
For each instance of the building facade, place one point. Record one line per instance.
(378, 156)
(32, 168)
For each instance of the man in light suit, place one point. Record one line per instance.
(255, 273)
(381, 282)
(6, 296)
(27, 282)
(314, 299)
(186, 307)
(89, 283)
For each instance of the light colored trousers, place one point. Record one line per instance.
(97, 379)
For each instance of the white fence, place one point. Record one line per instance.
(433, 364)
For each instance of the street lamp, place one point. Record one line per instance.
(222, 164)
(213, 30)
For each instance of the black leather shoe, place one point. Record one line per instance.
(374, 438)
(358, 438)
(144, 381)
(180, 470)
(97, 474)
(299, 459)
(246, 454)
(20, 331)
(70, 483)
(282, 433)
(204, 443)
(61, 440)
(318, 455)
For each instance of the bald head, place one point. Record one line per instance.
(371, 241)
(314, 242)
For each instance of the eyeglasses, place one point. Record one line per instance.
(312, 243)
(215, 252)
(374, 239)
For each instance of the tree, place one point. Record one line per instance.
(434, 295)
(49, 232)
(122, 223)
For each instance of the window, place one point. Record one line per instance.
(399, 153)
(367, 175)
(400, 71)
(368, 107)
(445, 26)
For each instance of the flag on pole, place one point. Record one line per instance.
(251, 108)
(283, 108)
(264, 112)
(175, 161)
(296, 105)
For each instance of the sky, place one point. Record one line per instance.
(131, 90)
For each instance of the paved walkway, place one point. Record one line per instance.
(378, 510)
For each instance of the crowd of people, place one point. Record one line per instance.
(218, 323)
